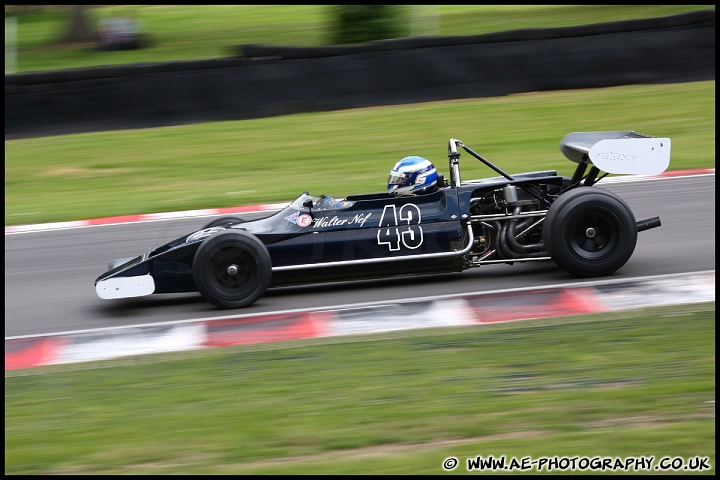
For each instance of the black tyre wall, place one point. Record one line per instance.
(222, 251)
(590, 232)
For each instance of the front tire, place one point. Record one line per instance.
(590, 232)
(232, 269)
(223, 221)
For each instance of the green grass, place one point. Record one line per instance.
(633, 383)
(194, 32)
(338, 153)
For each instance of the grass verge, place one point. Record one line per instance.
(630, 383)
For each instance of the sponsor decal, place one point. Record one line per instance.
(293, 218)
(335, 221)
(360, 218)
(304, 220)
(300, 220)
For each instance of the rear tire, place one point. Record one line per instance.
(232, 269)
(590, 232)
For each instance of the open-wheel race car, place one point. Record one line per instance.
(425, 223)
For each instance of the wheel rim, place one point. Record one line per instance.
(233, 271)
(595, 235)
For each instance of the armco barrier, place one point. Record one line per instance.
(480, 308)
(271, 81)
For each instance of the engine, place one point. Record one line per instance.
(507, 223)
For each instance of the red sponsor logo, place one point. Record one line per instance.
(304, 220)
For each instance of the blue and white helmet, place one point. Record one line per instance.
(412, 175)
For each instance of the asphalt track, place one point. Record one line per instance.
(49, 274)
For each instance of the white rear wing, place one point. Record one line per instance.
(625, 152)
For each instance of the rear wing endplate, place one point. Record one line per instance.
(625, 152)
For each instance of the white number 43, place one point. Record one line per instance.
(400, 227)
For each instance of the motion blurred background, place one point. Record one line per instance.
(52, 37)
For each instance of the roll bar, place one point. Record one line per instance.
(454, 160)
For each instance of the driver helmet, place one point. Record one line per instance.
(412, 175)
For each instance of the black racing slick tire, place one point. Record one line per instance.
(232, 269)
(222, 221)
(590, 232)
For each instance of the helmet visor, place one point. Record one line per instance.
(397, 179)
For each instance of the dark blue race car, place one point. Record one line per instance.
(423, 224)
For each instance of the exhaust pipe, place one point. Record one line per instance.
(648, 223)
